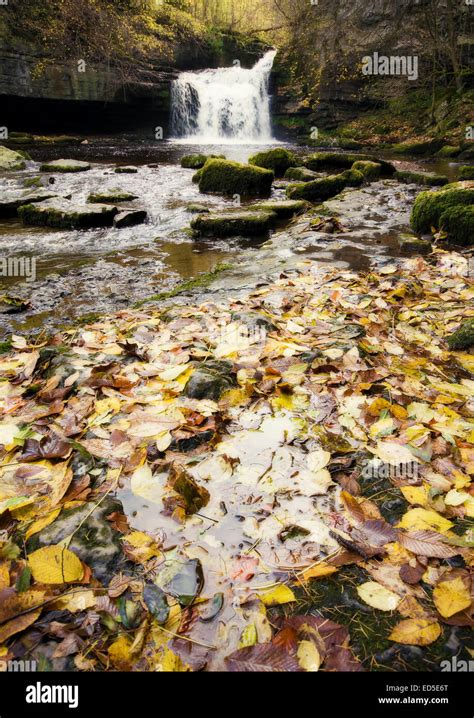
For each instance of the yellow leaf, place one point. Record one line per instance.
(4, 576)
(276, 596)
(41, 523)
(378, 596)
(17, 624)
(423, 520)
(120, 653)
(319, 571)
(171, 663)
(416, 632)
(415, 494)
(318, 460)
(450, 597)
(249, 636)
(77, 601)
(308, 656)
(55, 564)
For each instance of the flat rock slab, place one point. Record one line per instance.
(64, 214)
(111, 197)
(11, 201)
(232, 224)
(65, 166)
(130, 218)
(283, 209)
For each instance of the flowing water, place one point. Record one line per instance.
(229, 104)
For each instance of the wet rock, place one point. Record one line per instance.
(95, 541)
(462, 338)
(210, 381)
(197, 209)
(65, 214)
(231, 224)
(65, 166)
(111, 197)
(300, 174)
(278, 160)
(229, 177)
(130, 218)
(283, 209)
(410, 243)
(126, 170)
(458, 225)
(318, 190)
(11, 160)
(426, 178)
(253, 321)
(11, 201)
(353, 177)
(187, 582)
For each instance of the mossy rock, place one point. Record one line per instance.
(197, 209)
(278, 160)
(111, 197)
(232, 224)
(12, 201)
(33, 182)
(466, 172)
(65, 166)
(284, 209)
(425, 178)
(319, 190)
(418, 148)
(126, 170)
(344, 160)
(462, 338)
(24, 138)
(449, 151)
(57, 213)
(370, 170)
(300, 174)
(429, 206)
(228, 177)
(210, 380)
(412, 244)
(195, 162)
(353, 177)
(11, 160)
(458, 223)
(130, 218)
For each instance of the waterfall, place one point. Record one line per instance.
(226, 105)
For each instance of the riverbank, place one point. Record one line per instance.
(180, 484)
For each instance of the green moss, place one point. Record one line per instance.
(300, 174)
(418, 148)
(318, 190)
(33, 182)
(353, 177)
(429, 206)
(53, 214)
(449, 151)
(425, 178)
(230, 177)
(234, 223)
(331, 160)
(201, 281)
(11, 160)
(112, 197)
(466, 172)
(370, 170)
(6, 346)
(458, 224)
(462, 338)
(278, 160)
(65, 166)
(195, 162)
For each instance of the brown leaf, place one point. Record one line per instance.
(427, 543)
(411, 574)
(18, 624)
(263, 658)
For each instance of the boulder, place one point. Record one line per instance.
(462, 338)
(11, 160)
(68, 215)
(429, 206)
(370, 170)
(425, 178)
(278, 160)
(197, 209)
(230, 224)
(458, 224)
(466, 172)
(126, 170)
(65, 166)
(111, 197)
(130, 218)
(344, 160)
(318, 190)
(11, 201)
(353, 177)
(300, 174)
(284, 208)
(210, 380)
(228, 177)
(195, 162)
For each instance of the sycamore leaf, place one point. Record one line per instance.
(416, 632)
(378, 596)
(55, 564)
(450, 597)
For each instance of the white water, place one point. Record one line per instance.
(229, 105)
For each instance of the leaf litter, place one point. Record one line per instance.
(245, 468)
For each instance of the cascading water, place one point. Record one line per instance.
(229, 104)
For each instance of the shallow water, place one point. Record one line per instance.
(100, 270)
